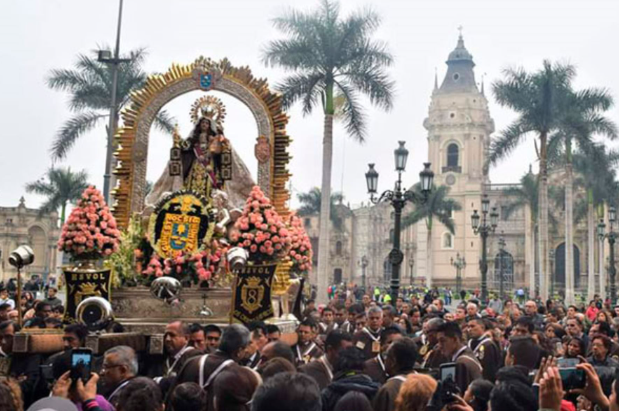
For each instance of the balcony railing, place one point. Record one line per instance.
(453, 169)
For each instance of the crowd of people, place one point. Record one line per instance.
(350, 355)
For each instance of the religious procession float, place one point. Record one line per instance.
(207, 244)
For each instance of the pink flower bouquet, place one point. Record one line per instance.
(196, 268)
(300, 246)
(90, 232)
(261, 230)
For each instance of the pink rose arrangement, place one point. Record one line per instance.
(90, 232)
(261, 230)
(300, 246)
(195, 267)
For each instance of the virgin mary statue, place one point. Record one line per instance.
(205, 161)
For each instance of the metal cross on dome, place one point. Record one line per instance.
(460, 28)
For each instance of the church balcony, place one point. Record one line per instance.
(452, 169)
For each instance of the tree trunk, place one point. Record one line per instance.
(543, 221)
(325, 210)
(430, 259)
(601, 265)
(590, 247)
(532, 262)
(569, 235)
(63, 211)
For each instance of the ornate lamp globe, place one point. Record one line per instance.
(475, 220)
(401, 155)
(485, 204)
(612, 214)
(427, 178)
(494, 218)
(371, 178)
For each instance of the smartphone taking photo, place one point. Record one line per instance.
(81, 364)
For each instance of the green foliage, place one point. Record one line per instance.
(595, 167)
(539, 98)
(310, 204)
(60, 187)
(122, 262)
(526, 194)
(438, 206)
(331, 56)
(89, 85)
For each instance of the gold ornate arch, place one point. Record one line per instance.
(203, 74)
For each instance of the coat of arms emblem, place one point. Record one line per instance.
(252, 293)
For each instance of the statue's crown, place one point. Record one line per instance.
(209, 107)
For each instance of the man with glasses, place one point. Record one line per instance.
(120, 365)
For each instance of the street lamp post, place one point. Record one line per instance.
(501, 252)
(459, 263)
(105, 56)
(411, 264)
(398, 199)
(483, 227)
(612, 236)
(364, 264)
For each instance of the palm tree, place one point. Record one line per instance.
(541, 100)
(595, 165)
(310, 204)
(439, 206)
(89, 85)
(526, 195)
(63, 187)
(582, 118)
(330, 56)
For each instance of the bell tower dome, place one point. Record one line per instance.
(459, 128)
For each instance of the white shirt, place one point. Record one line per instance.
(8, 301)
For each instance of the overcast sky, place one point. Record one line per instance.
(39, 35)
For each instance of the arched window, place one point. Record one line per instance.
(338, 248)
(452, 155)
(448, 241)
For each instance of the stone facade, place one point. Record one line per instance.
(21, 225)
(459, 128)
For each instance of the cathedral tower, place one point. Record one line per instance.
(459, 127)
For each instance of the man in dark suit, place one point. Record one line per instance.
(368, 339)
(450, 342)
(321, 369)
(204, 369)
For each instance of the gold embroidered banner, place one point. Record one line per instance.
(251, 299)
(83, 281)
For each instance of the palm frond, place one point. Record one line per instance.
(164, 122)
(72, 130)
(507, 141)
(354, 118)
(298, 86)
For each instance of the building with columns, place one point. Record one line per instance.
(21, 225)
(459, 126)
